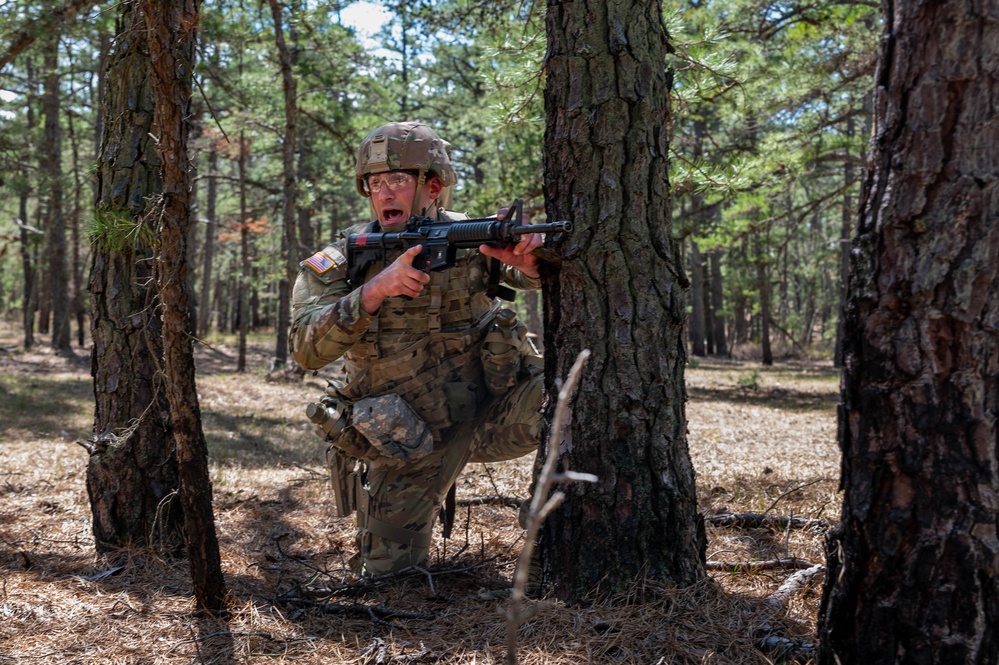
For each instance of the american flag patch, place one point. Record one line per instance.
(319, 262)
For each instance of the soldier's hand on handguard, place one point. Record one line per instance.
(398, 279)
(519, 255)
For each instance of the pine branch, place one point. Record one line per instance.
(25, 37)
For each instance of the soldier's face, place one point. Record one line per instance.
(393, 194)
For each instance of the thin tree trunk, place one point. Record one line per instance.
(25, 235)
(76, 267)
(289, 244)
(844, 246)
(718, 302)
(696, 301)
(243, 286)
(208, 254)
(171, 47)
(763, 281)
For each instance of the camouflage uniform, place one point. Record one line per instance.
(429, 352)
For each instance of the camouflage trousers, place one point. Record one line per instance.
(396, 517)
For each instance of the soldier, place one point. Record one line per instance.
(437, 374)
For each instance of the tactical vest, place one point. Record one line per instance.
(427, 349)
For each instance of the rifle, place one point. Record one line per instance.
(442, 240)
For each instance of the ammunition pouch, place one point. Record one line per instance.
(502, 352)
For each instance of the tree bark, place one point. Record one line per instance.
(243, 283)
(618, 291)
(763, 281)
(696, 321)
(171, 34)
(55, 226)
(718, 303)
(912, 572)
(132, 470)
(289, 243)
(27, 264)
(208, 253)
(844, 245)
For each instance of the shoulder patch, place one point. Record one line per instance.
(323, 261)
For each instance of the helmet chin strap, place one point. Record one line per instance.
(417, 209)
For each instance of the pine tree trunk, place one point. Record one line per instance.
(29, 293)
(55, 223)
(763, 281)
(242, 289)
(619, 291)
(718, 302)
(171, 45)
(289, 243)
(132, 471)
(696, 322)
(844, 247)
(208, 254)
(912, 570)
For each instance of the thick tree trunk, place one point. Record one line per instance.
(619, 291)
(913, 570)
(132, 472)
(171, 49)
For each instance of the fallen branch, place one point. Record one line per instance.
(756, 520)
(794, 584)
(756, 566)
(492, 500)
(770, 640)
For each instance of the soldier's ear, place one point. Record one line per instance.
(434, 187)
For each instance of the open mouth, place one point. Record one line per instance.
(392, 216)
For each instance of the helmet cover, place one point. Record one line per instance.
(404, 146)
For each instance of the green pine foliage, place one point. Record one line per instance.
(768, 112)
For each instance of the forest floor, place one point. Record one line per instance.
(762, 440)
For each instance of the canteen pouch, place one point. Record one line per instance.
(392, 427)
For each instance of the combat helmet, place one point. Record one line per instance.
(405, 146)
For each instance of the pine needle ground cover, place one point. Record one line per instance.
(762, 442)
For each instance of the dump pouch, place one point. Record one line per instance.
(392, 427)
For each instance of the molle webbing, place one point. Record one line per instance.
(418, 374)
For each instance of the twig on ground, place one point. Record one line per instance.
(492, 500)
(755, 520)
(792, 491)
(756, 566)
(541, 506)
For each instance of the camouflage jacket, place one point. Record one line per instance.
(411, 347)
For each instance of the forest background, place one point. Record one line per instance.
(771, 119)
